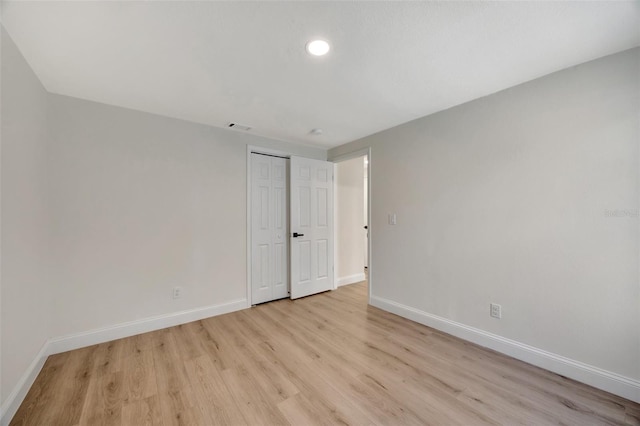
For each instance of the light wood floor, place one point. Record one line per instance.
(325, 359)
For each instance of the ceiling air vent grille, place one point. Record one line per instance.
(238, 126)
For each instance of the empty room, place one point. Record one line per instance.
(318, 212)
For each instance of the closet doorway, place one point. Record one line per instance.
(269, 228)
(290, 230)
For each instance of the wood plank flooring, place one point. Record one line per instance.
(325, 359)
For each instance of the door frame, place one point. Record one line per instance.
(338, 159)
(268, 151)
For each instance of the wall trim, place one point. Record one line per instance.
(131, 328)
(614, 383)
(350, 279)
(19, 392)
(105, 334)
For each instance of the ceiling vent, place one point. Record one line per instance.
(238, 126)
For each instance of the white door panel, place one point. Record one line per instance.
(311, 226)
(269, 239)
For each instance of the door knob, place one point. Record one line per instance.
(296, 235)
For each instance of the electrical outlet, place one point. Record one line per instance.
(177, 292)
(495, 310)
(392, 219)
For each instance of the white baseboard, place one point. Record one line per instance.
(101, 335)
(131, 328)
(19, 392)
(602, 379)
(351, 279)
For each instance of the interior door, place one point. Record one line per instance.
(311, 219)
(269, 235)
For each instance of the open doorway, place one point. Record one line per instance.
(352, 220)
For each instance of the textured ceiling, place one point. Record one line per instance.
(391, 62)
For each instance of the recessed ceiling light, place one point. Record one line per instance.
(318, 47)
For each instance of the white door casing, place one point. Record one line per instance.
(311, 217)
(269, 228)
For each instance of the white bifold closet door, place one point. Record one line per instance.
(269, 228)
(311, 226)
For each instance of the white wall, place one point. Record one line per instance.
(26, 291)
(504, 200)
(349, 221)
(140, 204)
